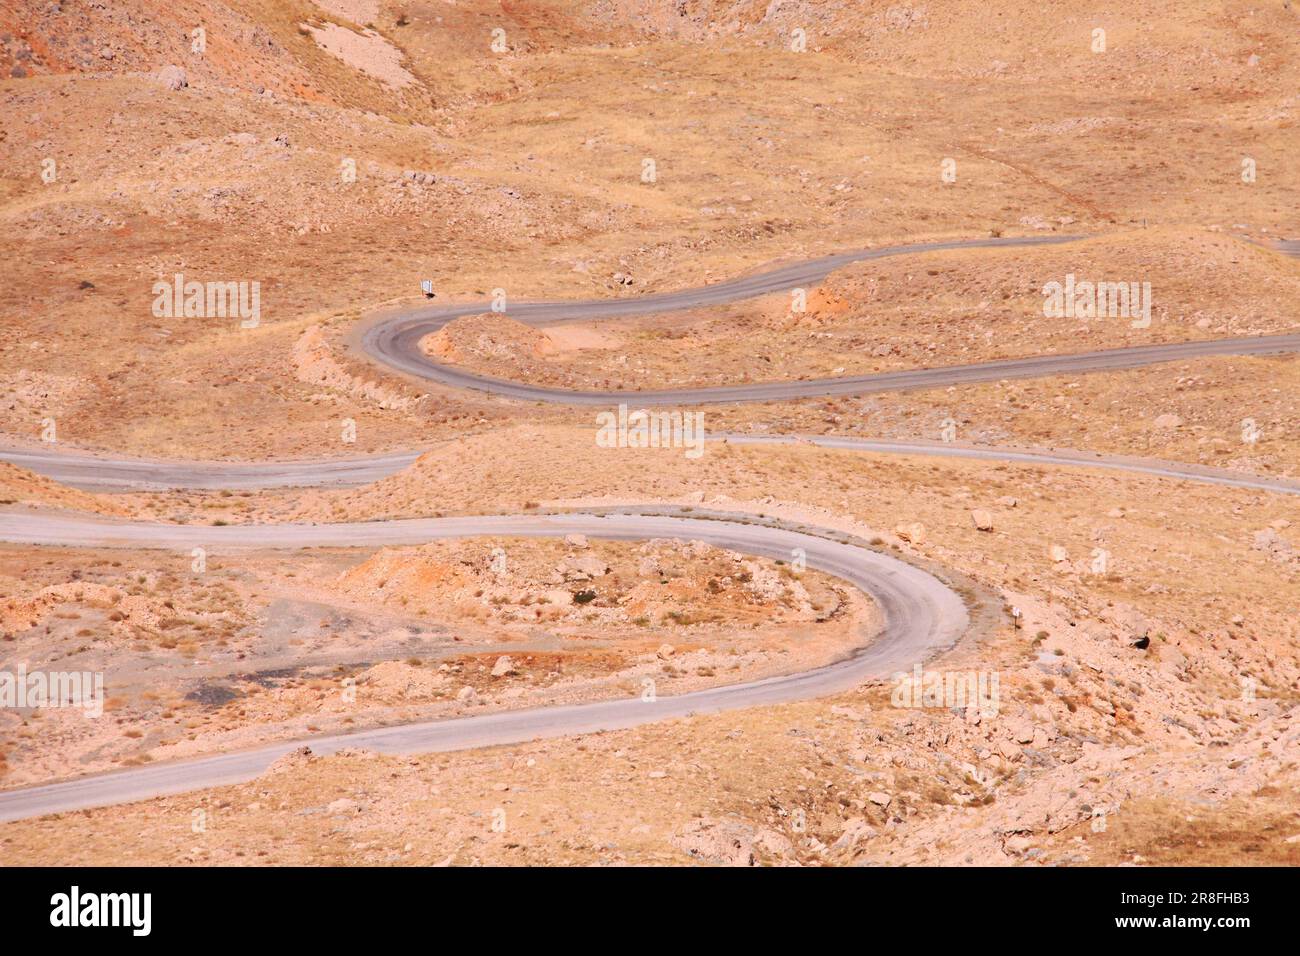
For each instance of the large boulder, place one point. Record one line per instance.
(173, 77)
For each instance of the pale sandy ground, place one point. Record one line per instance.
(356, 11)
(366, 51)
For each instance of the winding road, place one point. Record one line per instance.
(393, 342)
(94, 473)
(921, 616)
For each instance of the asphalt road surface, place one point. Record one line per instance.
(93, 473)
(394, 342)
(921, 616)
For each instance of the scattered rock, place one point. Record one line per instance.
(1022, 731)
(1018, 844)
(774, 843)
(503, 667)
(1273, 545)
(855, 831)
(582, 567)
(982, 519)
(913, 532)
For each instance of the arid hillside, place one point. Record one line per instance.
(338, 153)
